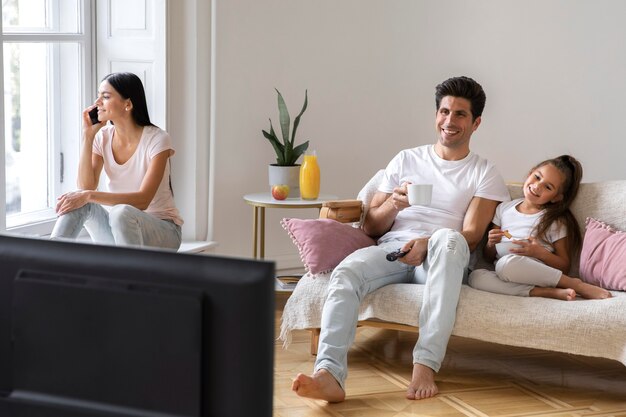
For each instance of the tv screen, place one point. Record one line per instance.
(109, 331)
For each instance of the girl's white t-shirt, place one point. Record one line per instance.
(521, 225)
(127, 177)
(455, 184)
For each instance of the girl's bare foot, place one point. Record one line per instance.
(321, 386)
(582, 288)
(565, 294)
(592, 292)
(422, 383)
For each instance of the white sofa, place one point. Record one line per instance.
(584, 327)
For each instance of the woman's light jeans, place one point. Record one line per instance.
(124, 225)
(366, 270)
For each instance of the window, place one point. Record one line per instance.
(47, 81)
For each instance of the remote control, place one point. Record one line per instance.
(392, 256)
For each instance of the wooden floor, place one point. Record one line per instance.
(476, 379)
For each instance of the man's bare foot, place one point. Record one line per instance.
(321, 386)
(565, 294)
(422, 383)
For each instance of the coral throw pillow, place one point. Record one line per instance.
(323, 243)
(603, 257)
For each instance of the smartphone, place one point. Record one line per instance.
(93, 115)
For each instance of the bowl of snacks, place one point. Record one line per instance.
(504, 247)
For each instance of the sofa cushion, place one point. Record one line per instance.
(323, 243)
(603, 256)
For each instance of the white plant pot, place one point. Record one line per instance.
(289, 175)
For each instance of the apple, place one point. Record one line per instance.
(280, 191)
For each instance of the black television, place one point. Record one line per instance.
(88, 330)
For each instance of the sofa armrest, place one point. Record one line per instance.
(344, 211)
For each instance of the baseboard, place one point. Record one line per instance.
(285, 261)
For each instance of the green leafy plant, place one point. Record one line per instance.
(286, 153)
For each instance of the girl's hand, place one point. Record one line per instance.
(528, 247)
(416, 251)
(71, 201)
(494, 236)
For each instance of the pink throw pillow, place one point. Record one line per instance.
(323, 243)
(603, 257)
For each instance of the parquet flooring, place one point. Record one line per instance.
(477, 379)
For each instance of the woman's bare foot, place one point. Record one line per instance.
(321, 386)
(422, 383)
(565, 294)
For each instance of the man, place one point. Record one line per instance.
(437, 240)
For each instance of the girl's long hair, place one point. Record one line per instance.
(559, 211)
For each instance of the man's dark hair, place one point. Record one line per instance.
(463, 87)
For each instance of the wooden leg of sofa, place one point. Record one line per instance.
(315, 339)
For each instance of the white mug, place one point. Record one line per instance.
(419, 194)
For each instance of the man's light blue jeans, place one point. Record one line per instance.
(366, 270)
(124, 225)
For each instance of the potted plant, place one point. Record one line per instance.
(285, 171)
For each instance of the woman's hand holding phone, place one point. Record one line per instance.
(91, 124)
(93, 116)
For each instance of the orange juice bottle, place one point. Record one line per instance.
(309, 177)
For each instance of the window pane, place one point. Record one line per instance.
(47, 16)
(42, 102)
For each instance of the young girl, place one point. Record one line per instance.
(537, 265)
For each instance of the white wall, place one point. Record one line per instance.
(553, 70)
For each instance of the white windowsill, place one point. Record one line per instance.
(37, 229)
(196, 246)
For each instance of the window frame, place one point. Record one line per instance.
(40, 223)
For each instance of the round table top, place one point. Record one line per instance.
(266, 200)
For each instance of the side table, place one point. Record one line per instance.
(261, 201)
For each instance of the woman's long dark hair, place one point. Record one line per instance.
(559, 211)
(129, 86)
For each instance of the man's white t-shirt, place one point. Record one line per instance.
(455, 184)
(127, 177)
(521, 225)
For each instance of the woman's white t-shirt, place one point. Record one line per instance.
(127, 177)
(455, 184)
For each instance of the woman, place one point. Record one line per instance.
(134, 154)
